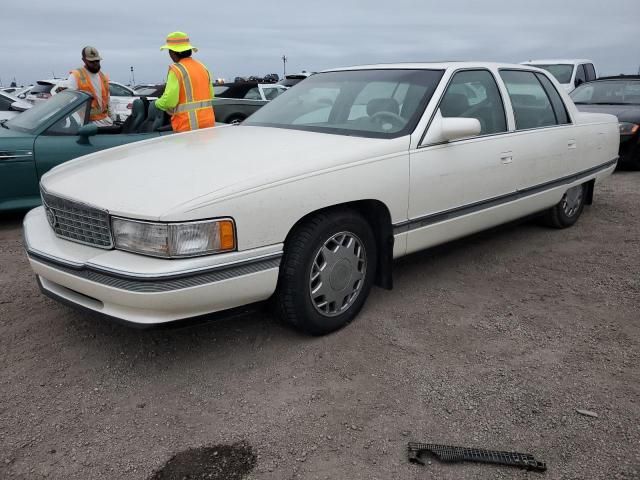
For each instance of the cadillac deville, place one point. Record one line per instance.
(310, 200)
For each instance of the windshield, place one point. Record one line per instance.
(367, 103)
(42, 88)
(615, 92)
(39, 115)
(561, 72)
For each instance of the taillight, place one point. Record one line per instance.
(130, 106)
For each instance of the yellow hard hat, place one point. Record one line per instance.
(178, 42)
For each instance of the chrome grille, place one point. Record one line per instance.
(77, 222)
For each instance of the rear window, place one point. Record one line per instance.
(562, 72)
(41, 88)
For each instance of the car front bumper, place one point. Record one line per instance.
(146, 290)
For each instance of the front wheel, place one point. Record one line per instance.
(568, 210)
(327, 272)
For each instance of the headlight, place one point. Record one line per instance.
(171, 240)
(628, 128)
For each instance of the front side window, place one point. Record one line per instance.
(591, 72)
(531, 105)
(383, 103)
(475, 94)
(71, 123)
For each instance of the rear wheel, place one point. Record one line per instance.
(568, 210)
(327, 272)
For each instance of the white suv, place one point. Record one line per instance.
(569, 73)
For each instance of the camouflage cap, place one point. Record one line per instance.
(91, 54)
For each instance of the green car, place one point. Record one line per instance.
(56, 131)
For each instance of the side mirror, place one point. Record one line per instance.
(87, 131)
(457, 128)
(448, 129)
(578, 82)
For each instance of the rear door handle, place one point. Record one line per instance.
(572, 144)
(506, 157)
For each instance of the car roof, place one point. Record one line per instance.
(557, 61)
(428, 66)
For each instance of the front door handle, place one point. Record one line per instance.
(571, 144)
(506, 157)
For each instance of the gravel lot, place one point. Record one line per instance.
(493, 342)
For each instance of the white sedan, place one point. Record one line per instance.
(311, 199)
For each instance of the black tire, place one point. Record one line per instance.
(560, 215)
(293, 297)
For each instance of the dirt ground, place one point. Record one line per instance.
(493, 342)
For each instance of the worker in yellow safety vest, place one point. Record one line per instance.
(188, 94)
(92, 80)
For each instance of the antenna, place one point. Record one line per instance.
(284, 65)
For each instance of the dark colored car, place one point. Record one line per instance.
(56, 131)
(236, 101)
(619, 96)
(271, 78)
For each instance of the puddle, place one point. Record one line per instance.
(217, 462)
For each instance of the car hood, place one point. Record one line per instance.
(625, 113)
(6, 133)
(168, 177)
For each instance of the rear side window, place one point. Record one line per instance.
(531, 105)
(562, 117)
(475, 94)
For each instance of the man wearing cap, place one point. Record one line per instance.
(188, 95)
(91, 80)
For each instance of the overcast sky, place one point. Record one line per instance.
(249, 37)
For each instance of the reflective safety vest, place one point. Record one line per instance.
(195, 104)
(84, 83)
